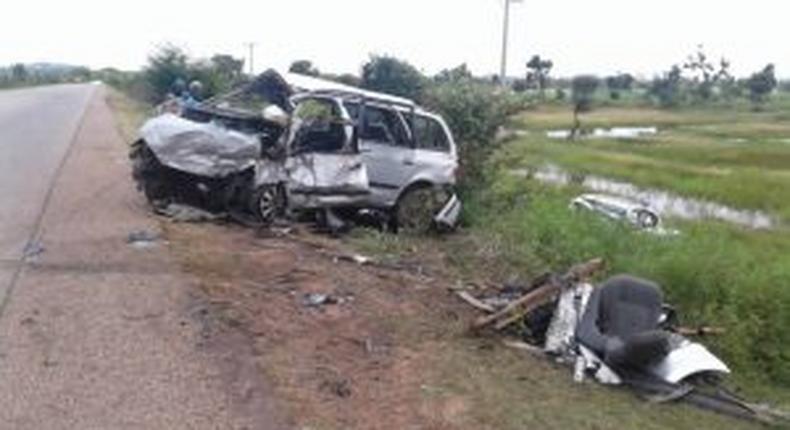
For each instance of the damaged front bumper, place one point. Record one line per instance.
(449, 215)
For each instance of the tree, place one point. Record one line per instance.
(456, 74)
(583, 89)
(218, 74)
(474, 110)
(304, 67)
(19, 72)
(228, 67)
(706, 76)
(393, 76)
(616, 84)
(538, 73)
(166, 65)
(761, 84)
(666, 88)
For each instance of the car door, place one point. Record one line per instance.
(386, 149)
(435, 157)
(323, 154)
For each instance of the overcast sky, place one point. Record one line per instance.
(581, 36)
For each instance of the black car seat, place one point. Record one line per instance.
(621, 322)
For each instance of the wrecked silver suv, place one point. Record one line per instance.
(296, 143)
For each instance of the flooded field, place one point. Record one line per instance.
(666, 203)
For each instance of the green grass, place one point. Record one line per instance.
(130, 113)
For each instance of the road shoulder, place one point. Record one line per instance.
(102, 334)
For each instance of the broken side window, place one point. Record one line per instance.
(380, 125)
(319, 127)
(430, 134)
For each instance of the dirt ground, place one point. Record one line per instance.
(394, 351)
(342, 365)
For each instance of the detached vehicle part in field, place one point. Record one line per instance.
(634, 213)
(298, 143)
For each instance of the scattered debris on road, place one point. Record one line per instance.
(143, 239)
(185, 213)
(355, 258)
(316, 300)
(33, 249)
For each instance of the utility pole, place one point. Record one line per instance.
(505, 34)
(251, 47)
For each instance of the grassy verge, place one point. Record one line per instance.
(129, 113)
(717, 274)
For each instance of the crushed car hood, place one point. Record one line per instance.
(205, 149)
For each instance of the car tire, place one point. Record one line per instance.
(417, 207)
(150, 175)
(267, 204)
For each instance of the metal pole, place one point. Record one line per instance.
(505, 31)
(251, 47)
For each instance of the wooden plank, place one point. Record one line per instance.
(537, 296)
(468, 298)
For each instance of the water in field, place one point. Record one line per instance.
(607, 133)
(666, 203)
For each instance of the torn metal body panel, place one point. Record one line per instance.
(618, 208)
(314, 143)
(200, 149)
(560, 337)
(686, 359)
(447, 218)
(326, 180)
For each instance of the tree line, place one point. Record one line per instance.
(698, 80)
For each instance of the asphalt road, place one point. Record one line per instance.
(95, 333)
(36, 127)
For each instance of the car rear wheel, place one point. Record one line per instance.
(417, 208)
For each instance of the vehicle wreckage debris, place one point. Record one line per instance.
(143, 239)
(539, 296)
(33, 249)
(188, 214)
(700, 331)
(314, 148)
(355, 258)
(317, 300)
(652, 359)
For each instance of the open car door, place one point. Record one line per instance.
(324, 166)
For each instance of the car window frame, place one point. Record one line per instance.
(350, 145)
(448, 147)
(405, 141)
